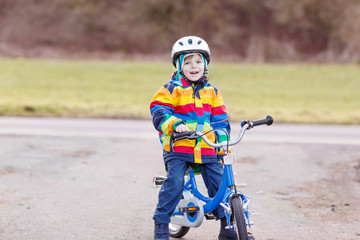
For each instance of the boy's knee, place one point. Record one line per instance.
(177, 181)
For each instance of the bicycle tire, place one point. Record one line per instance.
(177, 231)
(238, 219)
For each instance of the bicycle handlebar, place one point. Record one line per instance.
(268, 120)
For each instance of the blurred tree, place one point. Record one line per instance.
(252, 30)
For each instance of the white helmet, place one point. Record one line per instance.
(189, 44)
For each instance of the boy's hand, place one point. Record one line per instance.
(181, 128)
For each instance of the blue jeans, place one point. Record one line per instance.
(171, 190)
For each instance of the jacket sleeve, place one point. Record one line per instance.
(162, 111)
(219, 121)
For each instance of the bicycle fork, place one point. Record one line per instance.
(233, 192)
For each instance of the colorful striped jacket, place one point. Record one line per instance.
(200, 107)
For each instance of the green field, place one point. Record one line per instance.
(291, 93)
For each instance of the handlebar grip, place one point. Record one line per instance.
(175, 136)
(268, 120)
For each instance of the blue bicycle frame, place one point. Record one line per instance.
(227, 188)
(223, 193)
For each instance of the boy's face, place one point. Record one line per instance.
(193, 67)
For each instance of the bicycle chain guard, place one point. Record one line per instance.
(189, 212)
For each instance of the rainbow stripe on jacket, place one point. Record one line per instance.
(200, 107)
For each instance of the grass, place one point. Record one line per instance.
(291, 93)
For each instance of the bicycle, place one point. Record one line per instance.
(194, 206)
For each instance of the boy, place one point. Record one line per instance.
(188, 103)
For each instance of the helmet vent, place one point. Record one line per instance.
(181, 43)
(190, 41)
(199, 41)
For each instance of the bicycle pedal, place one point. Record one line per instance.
(158, 180)
(209, 216)
(190, 209)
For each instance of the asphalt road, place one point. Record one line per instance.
(92, 179)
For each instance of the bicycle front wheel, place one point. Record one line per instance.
(177, 231)
(238, 218)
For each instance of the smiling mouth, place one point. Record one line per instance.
(194, 72)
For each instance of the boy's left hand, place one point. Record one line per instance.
(181, 128)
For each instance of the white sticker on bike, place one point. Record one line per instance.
(229, 159)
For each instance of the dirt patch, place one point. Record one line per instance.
(77, 154)
(248, 160)
(7, 170)
(334, 198)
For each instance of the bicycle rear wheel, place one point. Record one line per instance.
(177, 231)
(238, 218)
